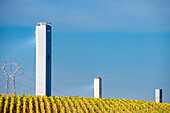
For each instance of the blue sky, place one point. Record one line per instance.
(125, 42)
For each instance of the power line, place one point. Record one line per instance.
(55, 89)
(22, 84)
(10, 77)
(30, 78)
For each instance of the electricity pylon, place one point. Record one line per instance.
(10, 83)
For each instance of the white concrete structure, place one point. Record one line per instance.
(43, 58)
(98, 87)
(158, 95)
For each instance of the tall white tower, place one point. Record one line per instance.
(158, 95)
(43, 58)
(97, 87)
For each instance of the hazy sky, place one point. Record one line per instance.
(126, 42)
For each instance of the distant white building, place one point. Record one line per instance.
(158, 95)
(43, 58)
(98, 87)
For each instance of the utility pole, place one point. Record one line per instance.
(10, 83)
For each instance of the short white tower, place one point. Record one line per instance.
(158, 95)
(43, 58)
(97, 87)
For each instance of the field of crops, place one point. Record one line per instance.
(38, 104)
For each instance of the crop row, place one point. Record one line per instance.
(44, 104)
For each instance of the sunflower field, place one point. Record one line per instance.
(44, 104)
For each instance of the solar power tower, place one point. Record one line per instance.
(43, 58)
(97, 87)
(158, 95)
